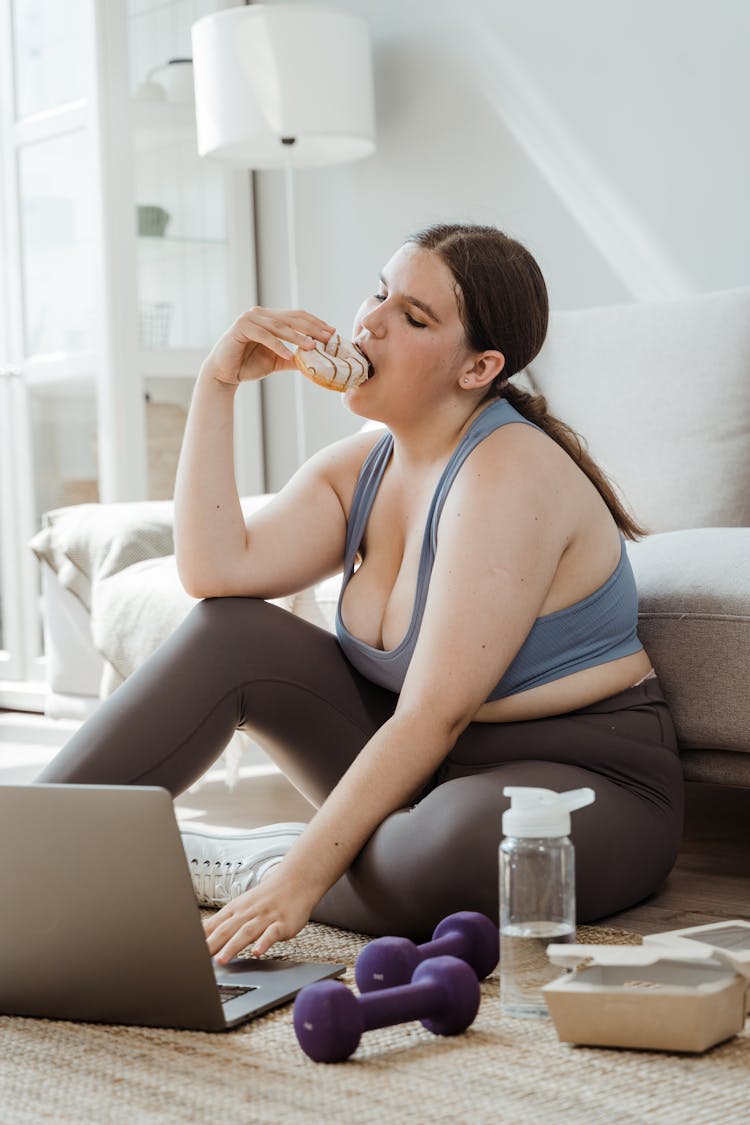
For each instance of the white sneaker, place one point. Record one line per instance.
(225, 863)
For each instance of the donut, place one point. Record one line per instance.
(336, 365)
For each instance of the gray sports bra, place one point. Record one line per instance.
(600, 628)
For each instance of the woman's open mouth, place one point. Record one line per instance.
(370, 368)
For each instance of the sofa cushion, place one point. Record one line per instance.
(694, 622)
(661, 393)
(85, 543)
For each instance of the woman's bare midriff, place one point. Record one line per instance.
(580, 689)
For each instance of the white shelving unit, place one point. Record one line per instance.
(102, 328)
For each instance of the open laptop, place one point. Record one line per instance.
(99, 922)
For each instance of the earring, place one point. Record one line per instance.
(466, 379)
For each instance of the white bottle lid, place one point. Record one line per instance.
(542, 812)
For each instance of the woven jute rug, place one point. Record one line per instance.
(500, 1070)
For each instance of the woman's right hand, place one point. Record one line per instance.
(252, 348)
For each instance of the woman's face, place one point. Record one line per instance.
(410, 331)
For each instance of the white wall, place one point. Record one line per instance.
(609, 137)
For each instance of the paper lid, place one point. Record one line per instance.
(573, 956)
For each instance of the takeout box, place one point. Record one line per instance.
(673, 997)
(731, 937)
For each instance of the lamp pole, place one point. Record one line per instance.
(257, 108)
(291, 242)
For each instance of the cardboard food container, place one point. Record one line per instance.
(672, 997)
(731, 937)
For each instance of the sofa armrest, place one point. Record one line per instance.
(694, 621)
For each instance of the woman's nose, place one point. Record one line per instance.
(373, 322)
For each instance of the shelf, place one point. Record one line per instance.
(175, 363)
(156, 123)
(61, 372)
(155, 248)
(190, 241)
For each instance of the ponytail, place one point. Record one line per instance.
(533, 407)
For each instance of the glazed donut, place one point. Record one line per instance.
(336, 365)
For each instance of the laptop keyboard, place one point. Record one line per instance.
(229, 992)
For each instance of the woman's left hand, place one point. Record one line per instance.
(275, 910)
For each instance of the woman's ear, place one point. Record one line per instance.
(483, 370)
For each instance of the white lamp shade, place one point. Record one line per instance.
(288, 70)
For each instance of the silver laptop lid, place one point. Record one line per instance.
(99, 921)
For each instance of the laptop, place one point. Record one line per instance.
(99, 921)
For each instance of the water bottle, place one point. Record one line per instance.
(537, 892)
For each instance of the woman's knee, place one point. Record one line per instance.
(624, 850)
(232, 639)
(226, 616)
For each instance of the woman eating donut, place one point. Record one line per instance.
(485, 631)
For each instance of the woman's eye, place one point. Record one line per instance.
(380, 297)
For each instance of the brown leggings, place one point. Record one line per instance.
(242, 662)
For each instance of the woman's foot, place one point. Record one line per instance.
(225, 862)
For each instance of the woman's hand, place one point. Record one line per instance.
(252, 348)
(275, 910)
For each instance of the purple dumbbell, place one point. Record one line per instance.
(329, 1019)
(389, 961)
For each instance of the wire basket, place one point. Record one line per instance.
(154, 322)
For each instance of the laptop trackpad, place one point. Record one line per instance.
(270, 981)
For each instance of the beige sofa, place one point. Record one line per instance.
(660, 391)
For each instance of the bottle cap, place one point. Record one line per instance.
(542, 812)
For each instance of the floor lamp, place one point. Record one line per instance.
(284, 86)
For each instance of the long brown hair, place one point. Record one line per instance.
(503, 305)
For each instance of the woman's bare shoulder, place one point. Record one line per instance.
(525, 450)
(523, 473)
(342, 461)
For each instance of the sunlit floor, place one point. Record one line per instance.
(259, 795)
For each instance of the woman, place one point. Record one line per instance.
(486, 632)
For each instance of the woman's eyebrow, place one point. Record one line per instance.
(416, 301)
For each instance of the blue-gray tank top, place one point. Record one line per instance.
(600, 628)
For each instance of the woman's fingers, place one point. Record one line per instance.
(295, 326)
(259, 335)
(256, 343)
(225, 950)
(211, 924)
(275, 910)
(230, 925)
(235, 934)
(269, 937)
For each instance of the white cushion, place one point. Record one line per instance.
(661, 393)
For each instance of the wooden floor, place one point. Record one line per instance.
(711, 879)
(710, 882)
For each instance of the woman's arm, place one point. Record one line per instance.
(211, 541)
(388, 772)
(488, 583)
(208, 521)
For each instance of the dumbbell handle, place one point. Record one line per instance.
(415, 1001)
(454, 943)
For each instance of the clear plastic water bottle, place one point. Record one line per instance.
(537, 892)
